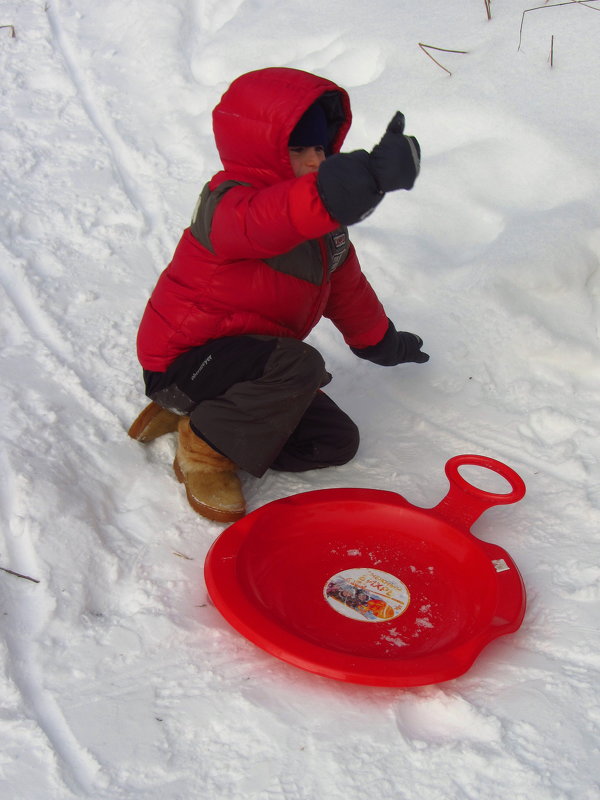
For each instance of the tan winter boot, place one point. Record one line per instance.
(213, 489)
(154, 421)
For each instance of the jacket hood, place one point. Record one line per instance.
(256, 115)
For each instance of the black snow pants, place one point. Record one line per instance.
(257, 400)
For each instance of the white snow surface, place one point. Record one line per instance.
(118, 678)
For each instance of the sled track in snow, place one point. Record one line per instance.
(28, 611)
(120, 154)
(45, 330)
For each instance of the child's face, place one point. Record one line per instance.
(306, 159)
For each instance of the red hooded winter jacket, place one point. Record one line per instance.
(262, 255)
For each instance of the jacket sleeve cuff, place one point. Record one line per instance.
(307, 212)
(371, 337)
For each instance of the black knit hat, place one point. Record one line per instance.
(311, 130)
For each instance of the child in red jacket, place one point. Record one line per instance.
(267, 255)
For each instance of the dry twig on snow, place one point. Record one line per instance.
(426, 47)
(11, 28)
(19, 575)
(583, 3)
(182, 555)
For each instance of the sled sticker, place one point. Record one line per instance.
(368, 595)
(500, 564)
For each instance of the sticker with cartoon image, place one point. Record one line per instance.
(365, 594)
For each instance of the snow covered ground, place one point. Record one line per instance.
(118, 679)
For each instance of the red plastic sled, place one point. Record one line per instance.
(361, 586)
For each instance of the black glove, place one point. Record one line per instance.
(352, 184)
(348, 187)
(396, 347)
(396, 160)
